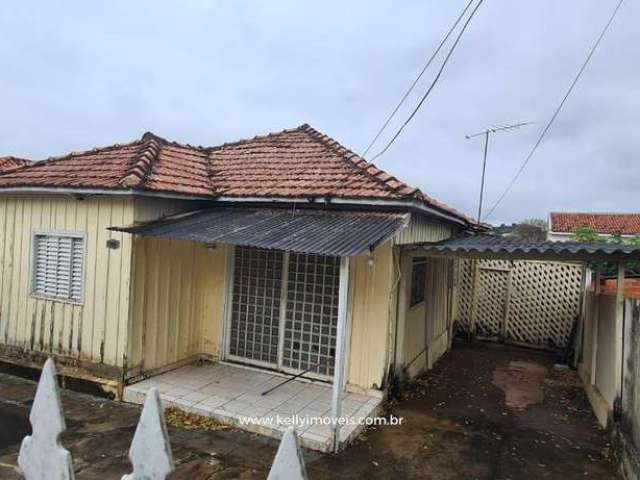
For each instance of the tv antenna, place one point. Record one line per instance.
(486, 133)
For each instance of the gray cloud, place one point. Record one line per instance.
(79, 74)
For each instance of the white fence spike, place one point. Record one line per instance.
(288, 463)
(41, 455)
(150, 451)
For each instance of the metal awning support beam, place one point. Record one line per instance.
(341, 344)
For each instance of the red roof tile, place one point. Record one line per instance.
(296, 163)
(606, 223)
(11, 163)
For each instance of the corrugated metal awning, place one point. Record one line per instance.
(496, 247)
(339, 233)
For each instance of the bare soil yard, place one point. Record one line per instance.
(485, 412)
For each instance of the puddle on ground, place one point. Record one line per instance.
(521, 383)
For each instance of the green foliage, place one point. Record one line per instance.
(586, 235)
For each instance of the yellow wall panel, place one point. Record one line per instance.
(371, 311)
(177, 302)
(94, 330)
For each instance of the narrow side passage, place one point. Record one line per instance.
(486, 411)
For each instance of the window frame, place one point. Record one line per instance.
(34, 251)
(415, 261)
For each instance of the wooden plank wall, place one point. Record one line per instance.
(372, 306)
(96, 330)
(412, 324)
(439, 307)
(177, 302)
(421, 229)
(427, 325)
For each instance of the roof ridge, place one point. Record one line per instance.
(79, 153)
(243, 141)
(595, 213)
(143, 162)
(15, 163)
(356, 161)
(148, 135)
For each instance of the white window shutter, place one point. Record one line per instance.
(58, 267)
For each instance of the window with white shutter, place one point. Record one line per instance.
(58, 263)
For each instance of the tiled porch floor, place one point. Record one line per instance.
(228, 393)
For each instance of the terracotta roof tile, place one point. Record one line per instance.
(295, 163)
(11, 163)
(606, 223)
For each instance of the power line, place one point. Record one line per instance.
(415, 82)
(557, 111)
(433, 84)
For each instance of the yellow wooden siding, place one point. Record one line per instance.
(94, 331)
(438, 305)
(420, 230)
(372, 306)
(147, 208)
(423, 335)
(177, 302)
(415, 336)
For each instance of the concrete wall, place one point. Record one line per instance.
(600, 367)
(629, 428)
(94, 331)
(598, 360)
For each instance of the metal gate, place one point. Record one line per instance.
(523, 301)
(284, 310)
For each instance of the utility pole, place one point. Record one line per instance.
(486, 133)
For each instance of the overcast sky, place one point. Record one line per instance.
(78, 74)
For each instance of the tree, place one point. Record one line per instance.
(532, 229)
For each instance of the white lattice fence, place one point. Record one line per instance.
(524, 301)
(42, 457)
(490, 305)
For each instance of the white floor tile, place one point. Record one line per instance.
(227, 393)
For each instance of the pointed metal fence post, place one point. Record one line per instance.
(150, 451)
(288, 463)
(41, 455)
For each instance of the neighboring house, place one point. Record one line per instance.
(296, 244)
(562, 225)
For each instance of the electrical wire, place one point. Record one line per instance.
(415, 82)
(433, 84)
(557, 111)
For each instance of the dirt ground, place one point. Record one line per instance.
(484, 412)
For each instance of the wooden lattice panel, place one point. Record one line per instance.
(544, 302)
(464, 283)
(492, 297)
(525, 301)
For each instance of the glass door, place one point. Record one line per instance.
(255, 312)
(311, 315)
(284, 311)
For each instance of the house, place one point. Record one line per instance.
(563, 224)
(285, 252)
